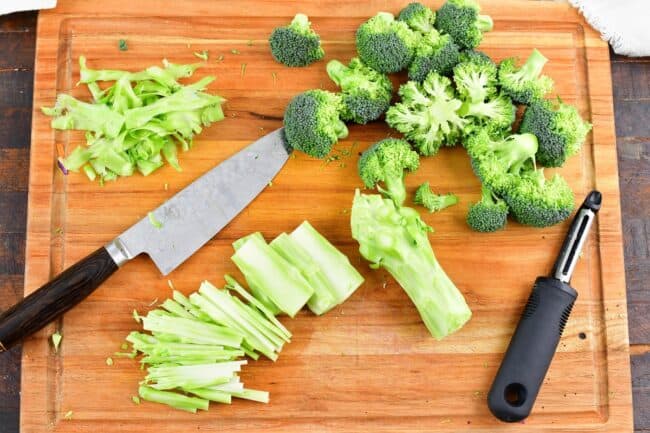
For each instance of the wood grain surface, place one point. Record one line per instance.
(375, 299)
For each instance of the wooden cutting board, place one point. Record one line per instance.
(369, 365)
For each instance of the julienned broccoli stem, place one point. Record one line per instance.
(484, 23)
(533, 66)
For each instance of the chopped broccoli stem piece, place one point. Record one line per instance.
(212, 395)
(190, 329)
(265, 269)
(164, 377)
(253, 395)
(489, 214)
(173, 399)
(434, 202)
(296, 44)
(396, 239)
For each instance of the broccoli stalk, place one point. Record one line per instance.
(525, 84)
(428, 114)
(384, 44)
(296, 44)
(366, 93)
(396, 239)
(387, 162)
(173, 399)
(489, 214)
(433, 202)
(559, 129)
(312, 123)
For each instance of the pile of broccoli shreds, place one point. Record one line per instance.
(455, 94)
(138, 122)
(196, 343)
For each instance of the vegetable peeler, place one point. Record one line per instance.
(534, 342)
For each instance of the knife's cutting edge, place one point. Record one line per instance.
(198, 212)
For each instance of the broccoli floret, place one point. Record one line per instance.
(525, 84)
(385, 44)
(476, 79)
(366, 93)
(296, 44)
(499, 161)
(418, 17)
(312, 124)
(475, 56)
(396, 239)
(559, 129)
(434, 52)
(461, 20)
(488, 215)
(538, 202)
(427, 114)
(432, 201)
(388, 161)
(498, 112)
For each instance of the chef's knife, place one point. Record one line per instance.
(181, 226)
(540, 327)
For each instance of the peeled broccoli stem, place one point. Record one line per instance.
(532, 68)
(396, 239)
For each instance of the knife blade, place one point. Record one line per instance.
(184, 223)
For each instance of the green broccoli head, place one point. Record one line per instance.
(476, 79)
(559, 129)
(538, 202)
(427, 114)
(435, 52)
(387, 162)
(418, 17)
(498, 161)
(475, 56)
(312, 124)
(525, 84)
(296, 44)
(498, 112)
(489, 214)
(432, 201)
(366, 93)
(461, 20)
(385, 44)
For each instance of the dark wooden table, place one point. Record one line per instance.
(631, 80)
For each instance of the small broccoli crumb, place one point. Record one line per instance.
(135, 399)
(166, 186)
(124, 346)
(234, 51)
(275, 77)
(109, 361)
(220, 58)
(137, 316)
(203, 55)
(171, 284)
(154, 221)
(152, 303)
(68, 415)
(243, 69)
(122, 45)
(58, 231)
(249, 43)
(270, 183)
(56, 340)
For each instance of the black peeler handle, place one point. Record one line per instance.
(531, 350)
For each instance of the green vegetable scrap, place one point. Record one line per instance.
(138, 122)
(234, 51)
(122, 45)
(296, 44)
(203, 55)
(432, 201)
(56, 341)
(154, 221)
(396, 239)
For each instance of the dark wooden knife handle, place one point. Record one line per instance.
(55, 298)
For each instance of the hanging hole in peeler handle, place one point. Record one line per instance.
(515, 394)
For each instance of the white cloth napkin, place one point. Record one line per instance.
(9, 6)
(622, 23)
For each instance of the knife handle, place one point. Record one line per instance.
(55, 298)
(531, 349)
